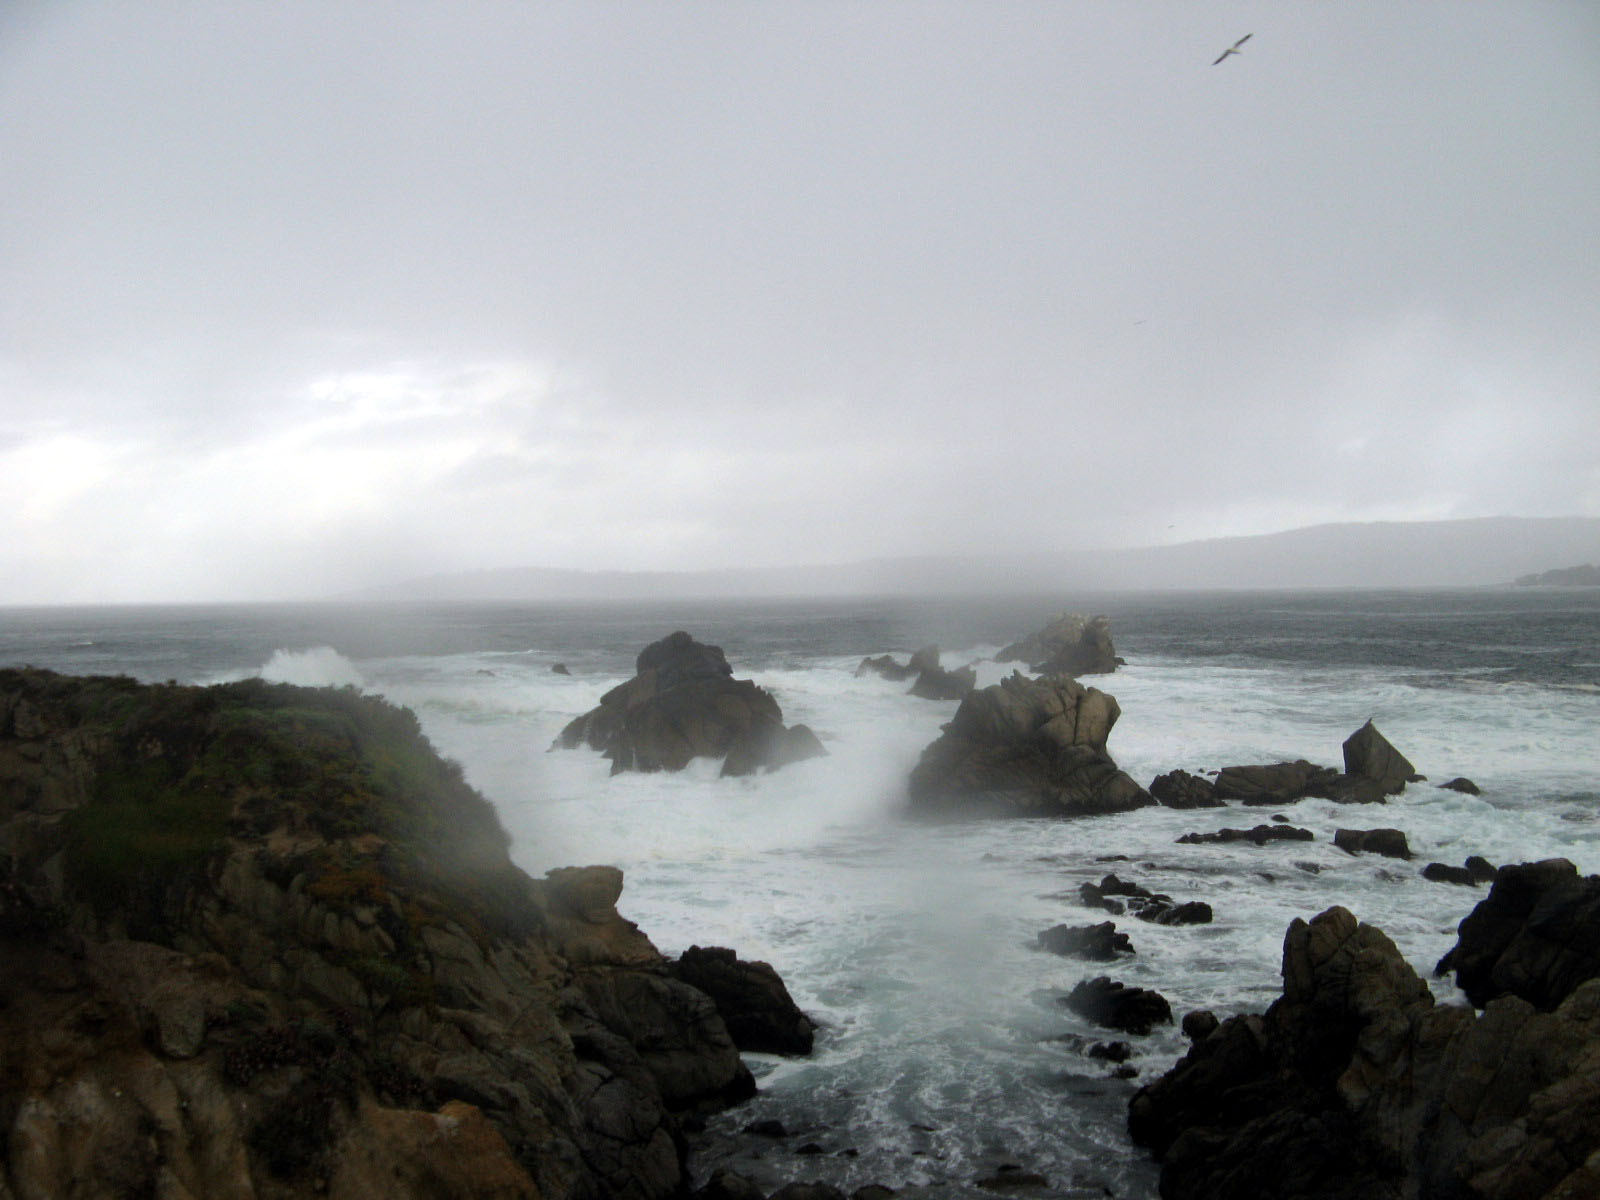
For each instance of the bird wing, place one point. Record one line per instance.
(1224, 55)
(1243, 40)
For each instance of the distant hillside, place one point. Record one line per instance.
(1587, 575)
(1485, 552)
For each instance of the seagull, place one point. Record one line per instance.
(1233, 49)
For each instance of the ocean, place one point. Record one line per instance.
(945, 1053)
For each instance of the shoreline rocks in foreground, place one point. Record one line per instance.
(683, 703)
(1026, 748)
(261, 941)
(1354, 1083)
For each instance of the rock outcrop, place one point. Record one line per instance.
(683, 703)
(1368, 755)
(751, 999)
(261, 941)
(1098, 943)
(1179, 789)
(1115, 1005)
(1475, 872)
(1123, 896)
(1536, 935)
(1026, 747)
(1354, 1084)
(1257, 835)
(1391, 843)
(1071, 644)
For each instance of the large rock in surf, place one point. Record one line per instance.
(1355, 1086)
(683, 703)
(1536, 935)
(750, 997)
(1179, 789)
(1368, 755)
(1274, 783)
(1071, 644)
(261, 941)
(1027, 748)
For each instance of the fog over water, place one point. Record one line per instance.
(303, 298)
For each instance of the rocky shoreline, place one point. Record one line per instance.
(266, 943)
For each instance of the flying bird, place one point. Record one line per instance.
(1233, 49)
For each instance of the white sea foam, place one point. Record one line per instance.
(319, 666)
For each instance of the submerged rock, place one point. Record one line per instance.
(1119, 896)
(1258, 835)
(1463, 785)
(1071, 644)
(260, 940)
(684, 703)
(1097, 943)
(1535, 936)
(1354, 1084)
(1026, 747)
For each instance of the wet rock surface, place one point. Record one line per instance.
(1071, 644)
(1391, 843)
(1115, 1005)
(751, 999)
(1097, 943)
(1257, 835)
(1355, 1084)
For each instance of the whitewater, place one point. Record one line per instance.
(945, 1052)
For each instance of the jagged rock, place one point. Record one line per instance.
(683, 703)
(260, 941)
(1098, 943)
(1071, 644)
(1536, 936)
(1115, 1005)
(751, 999)
(560, 669)
(1026, 747)
(1259, 835)
(1391, 843)
(926, 659)
(1463, 785)
(1119, 896)
(1368, 755)
(1353, 1084)
(1179, 789)
(935, 683)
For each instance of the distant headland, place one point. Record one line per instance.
(1586, 575)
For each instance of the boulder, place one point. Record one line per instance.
(1391, 843)
(684, 703)
(1536, 936)
(1119, 896)
(1097, 943)
(1258, 835)
(935, 683)
(1179, 789)
(751, 999)
(886, 666)
(1463, 785)
(1026, 747)
(1355, 1085)
(1368, 755)
(1071, 644)
(560, 669)
(1115, 1005)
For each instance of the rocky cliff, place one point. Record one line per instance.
(261, 941)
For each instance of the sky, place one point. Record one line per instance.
(303, 297)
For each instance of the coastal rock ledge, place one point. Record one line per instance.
(1026, 748)
(1355, 1085)
(261, 942)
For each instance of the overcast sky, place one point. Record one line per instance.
(298, 297)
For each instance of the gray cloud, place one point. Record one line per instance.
(299, 296)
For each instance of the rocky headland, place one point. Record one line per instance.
(261, 941)
(683, 703)
(1070, 644)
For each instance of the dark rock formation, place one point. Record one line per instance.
(1354, 1086)
(1274, 783)
(1179, 789)
(560, 669)
(1026, 747)
(684, 703)
(1115, 1005)
(935, 683)
(1259, 835)
(1475, 872)
(1072, 644)
(1199, 1024)
(886, 666)
(926, 659)
(1536, 936)
(1097, 943)
(1120, 896)
(1462, 784)
(1368, 755)
(1391, 843)
(261, 941)
(751, 999)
